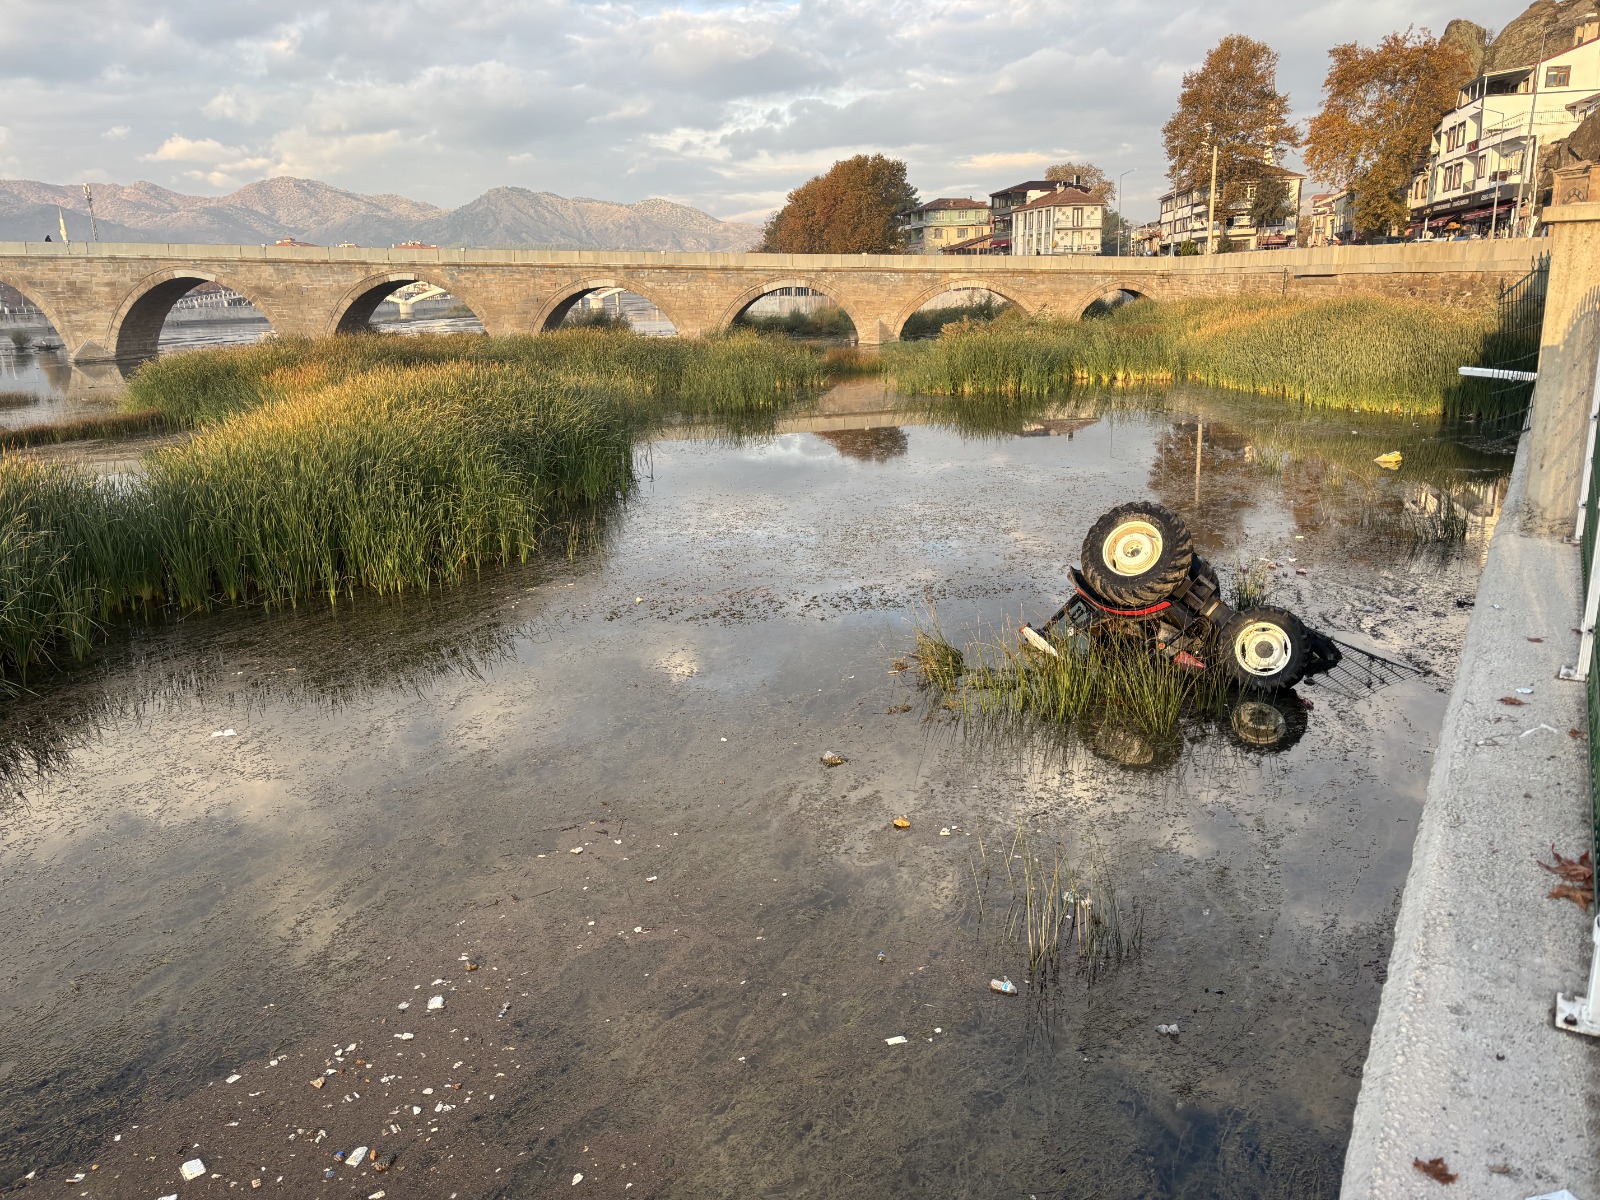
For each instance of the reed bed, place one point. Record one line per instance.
(1363, 353)
(76, 429)
(1111, 688)
(388, 480)
(735, 373)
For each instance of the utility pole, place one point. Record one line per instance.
(1211, 206)
(94, 226)
(1121, 220)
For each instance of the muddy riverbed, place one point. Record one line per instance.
(235, 846)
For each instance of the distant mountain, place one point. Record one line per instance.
(310, 211)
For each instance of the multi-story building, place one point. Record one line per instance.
(1002, 202)
(1479, 176)
(932, 227)
(1184, 211)
(1065, 220)
(1146, 240)
(1332, 219)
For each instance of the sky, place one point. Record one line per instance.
(724, 106)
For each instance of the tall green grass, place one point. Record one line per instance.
(735, 373)
(391, 479)
(1364, 353)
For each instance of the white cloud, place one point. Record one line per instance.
(725, 105)
(181, 149)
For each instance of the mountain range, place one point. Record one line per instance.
(310, 211)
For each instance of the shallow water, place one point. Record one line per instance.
(404, 785)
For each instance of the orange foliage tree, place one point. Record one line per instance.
(1233, 99)
(853, 209)
(1377, 120)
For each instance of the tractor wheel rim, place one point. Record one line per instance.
(1263, 648)
(1132, 548)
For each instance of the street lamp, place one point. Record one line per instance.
(1121, 220)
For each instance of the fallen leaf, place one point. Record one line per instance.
(1577, 733)
(1512, 701)
(901, 823)
(1577, 893)
(1499, 1168)
(1434, 1169)
(1573, 870)
(1536, 639)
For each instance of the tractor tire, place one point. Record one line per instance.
(1137, 555)
(1265, 722)
(1265, 649)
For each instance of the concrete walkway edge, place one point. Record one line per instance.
(1464, 1063)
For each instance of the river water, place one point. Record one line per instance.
(236, 844)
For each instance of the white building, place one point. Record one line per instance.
(1065, 220)
(1183, 217)
(1480, 170)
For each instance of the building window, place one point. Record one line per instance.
(1557, 76)
(1077, 218)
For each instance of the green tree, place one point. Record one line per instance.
(1270, 205)
(1377, 120)
(1232, 101)
(1088, 176)
(853, 209)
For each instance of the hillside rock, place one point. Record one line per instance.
(1545, 27)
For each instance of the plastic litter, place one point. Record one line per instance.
(405, 1037)
(1004, 986)
(232, 1079)
(945, 832)
(576, 850)
(898, 1039)
(223, 733)
(830, 759)
(435, 1003)
(1169, 1030)
(318, 1082)
(901, 823)
(1390, 461)
(192, 1169)
(356, 1155)
(577, 1179)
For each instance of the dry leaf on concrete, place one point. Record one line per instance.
(1435, 1169)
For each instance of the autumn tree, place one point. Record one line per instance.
(1271, 204)
(1232, 102)
(853, 209)
(1378, 117)
(1088, 176)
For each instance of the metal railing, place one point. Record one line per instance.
(1498, 397)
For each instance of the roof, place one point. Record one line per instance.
(945, 203)
(1067, 195)
(291, 242)
(980, 240)
(1031, 185)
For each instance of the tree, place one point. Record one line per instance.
(1378, 117)
(1233, 101)
(853, 209)
(1270, 205)
(1088, 176)
(1114, 231)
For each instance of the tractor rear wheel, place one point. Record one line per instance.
(1137, 555)
(1265, 649)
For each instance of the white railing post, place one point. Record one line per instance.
(1588, 454)
(1581, 1014)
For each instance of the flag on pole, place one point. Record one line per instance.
(62, 220)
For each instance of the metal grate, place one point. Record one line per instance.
(1360, 673)
(1501, 406)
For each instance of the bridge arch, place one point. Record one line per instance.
(353, 311)
(955, 285)
(135, 332)
(28, 293)
(751, 294)
(1083, 301)
(554, 311)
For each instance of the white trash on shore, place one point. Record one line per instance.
(192, 1169)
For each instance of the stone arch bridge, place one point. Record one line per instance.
(108, 301)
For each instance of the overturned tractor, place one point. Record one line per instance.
(1140, 577)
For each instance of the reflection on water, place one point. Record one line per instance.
(180, 906)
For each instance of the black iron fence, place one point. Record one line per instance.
(1499, 406)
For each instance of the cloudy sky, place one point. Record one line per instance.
(725, 106)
